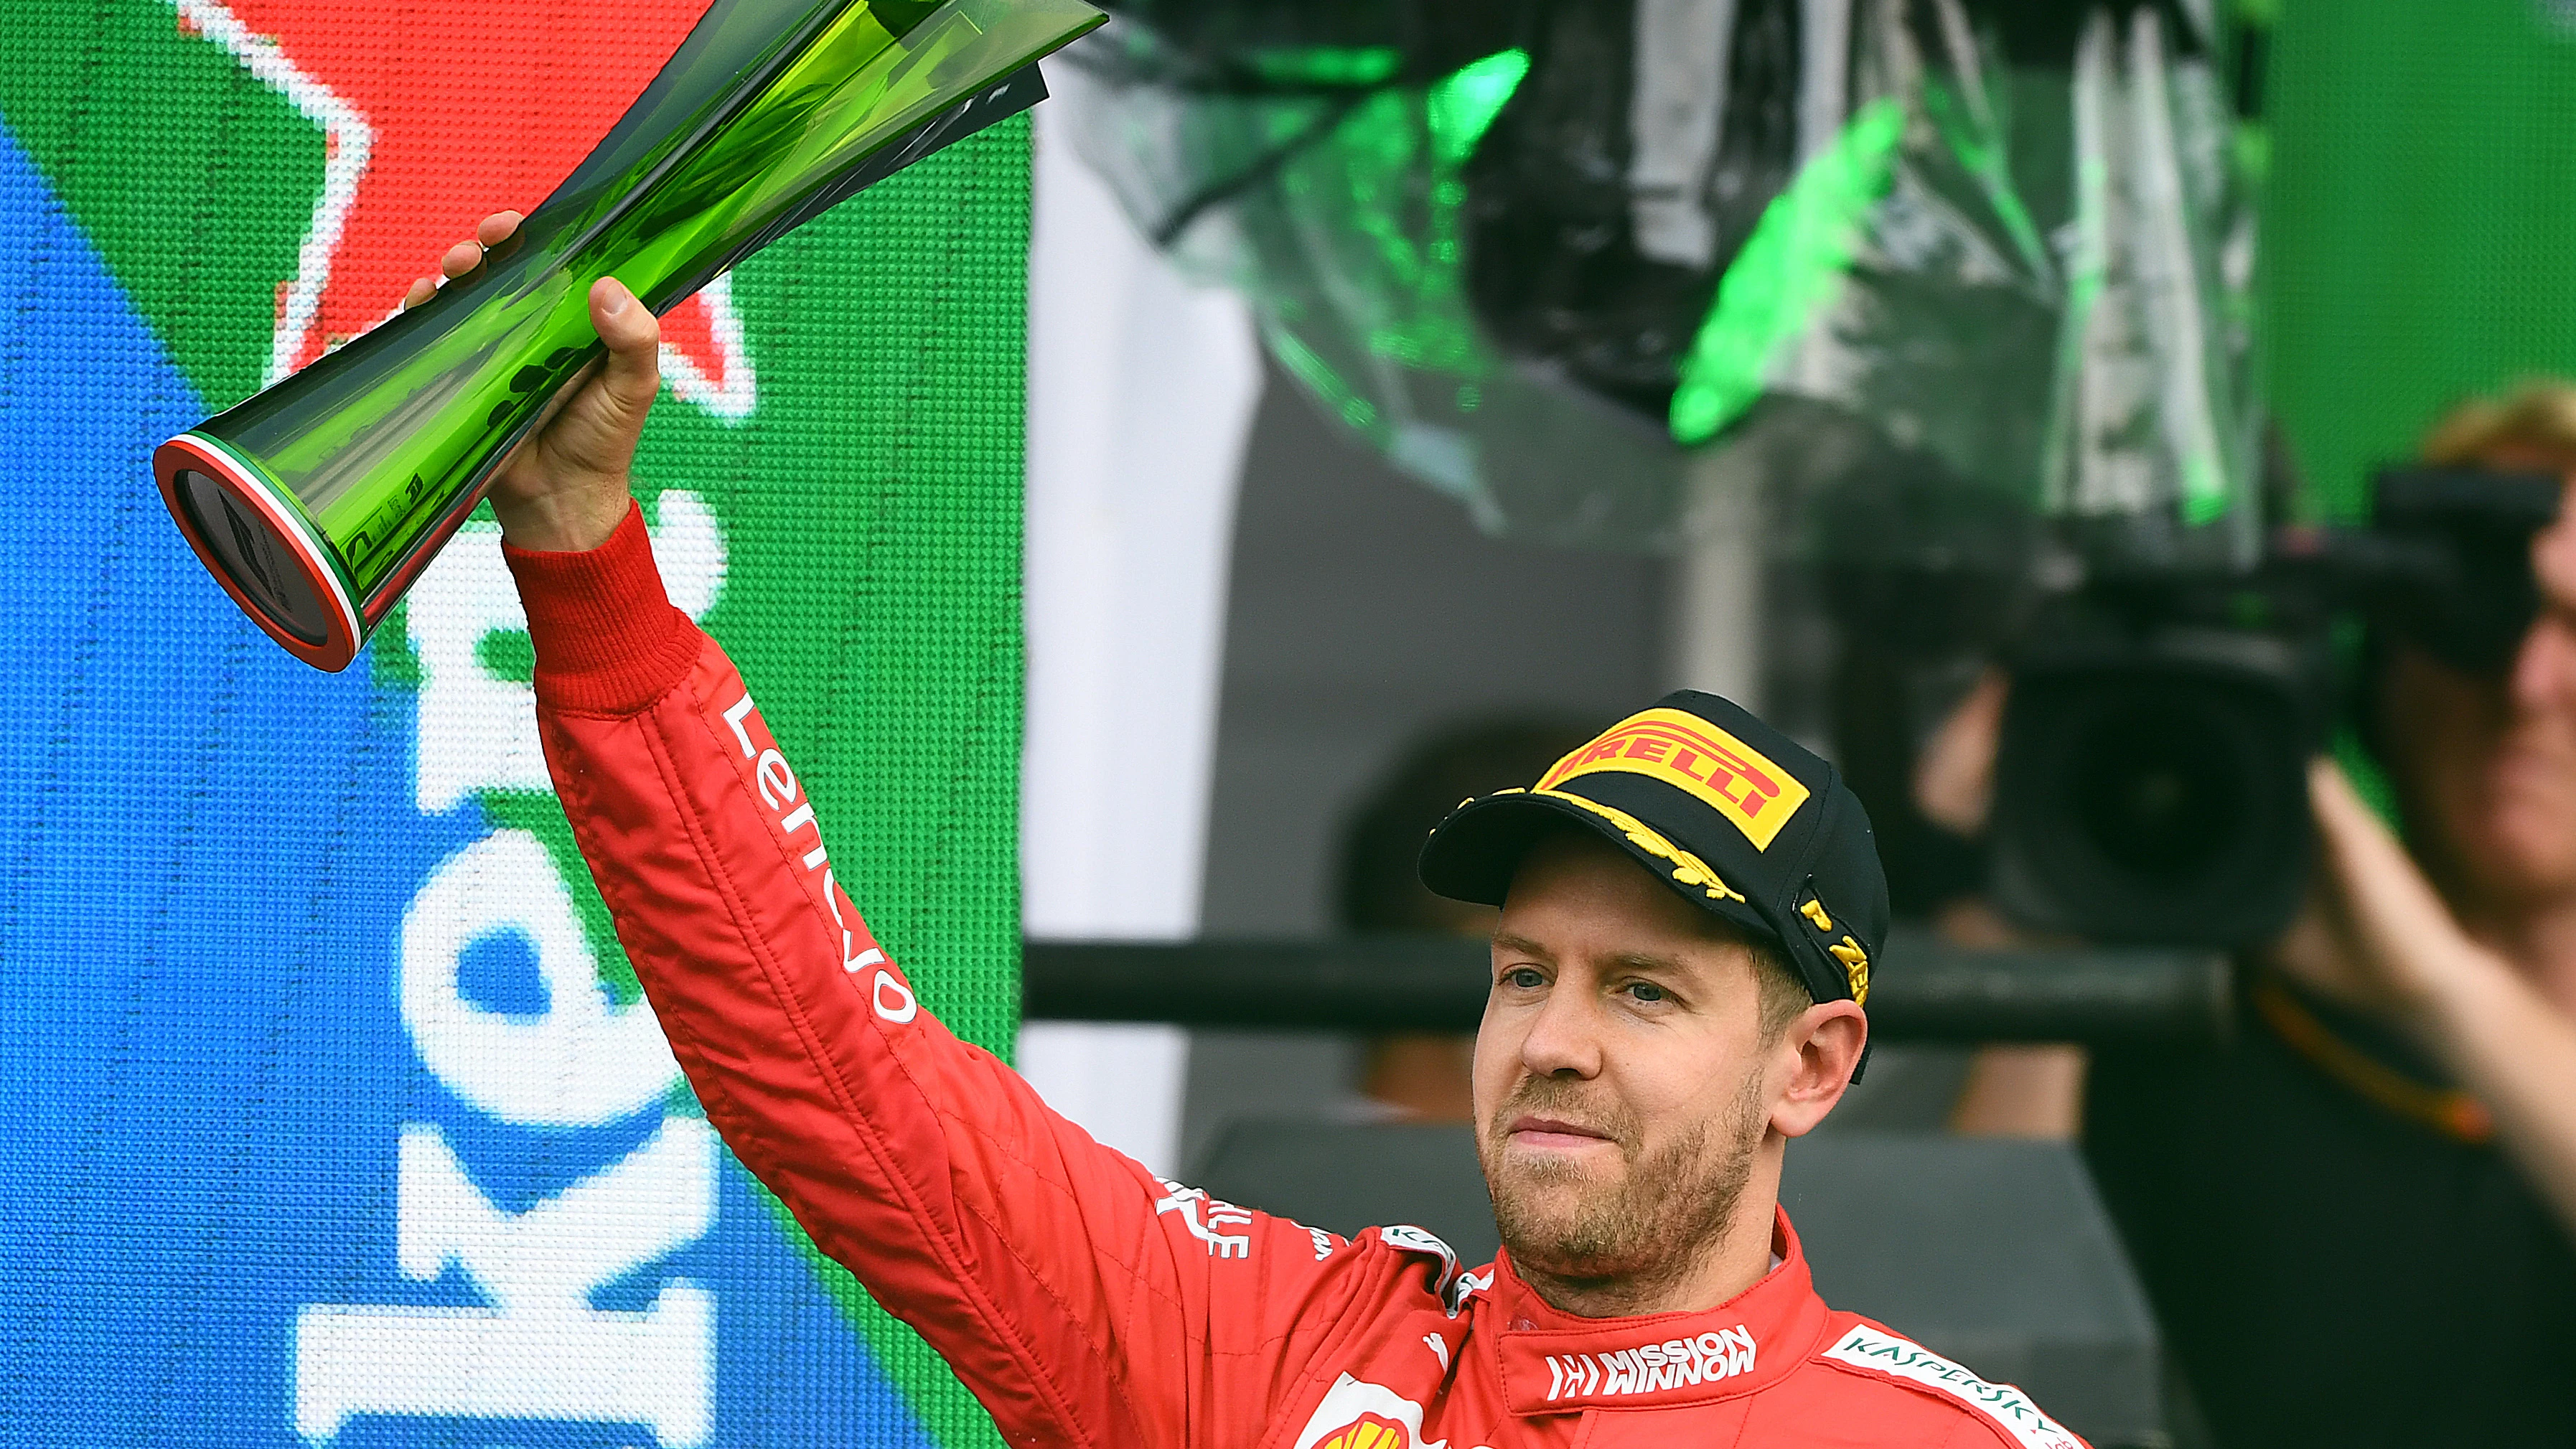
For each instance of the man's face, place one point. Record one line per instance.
(2489, 764)
(1622, 1079)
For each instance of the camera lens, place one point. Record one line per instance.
(2151, 799)
(2157, 788)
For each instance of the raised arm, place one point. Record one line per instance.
(1076, 1295)
(2385, 939)
(1030, 1257)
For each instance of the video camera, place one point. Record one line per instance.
(2151, 781)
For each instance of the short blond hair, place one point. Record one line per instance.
(2538, 416)
(1782, 994)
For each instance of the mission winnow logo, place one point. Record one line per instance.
(335, 1118)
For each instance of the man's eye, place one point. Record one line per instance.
(1647, 991)
(1524, 978)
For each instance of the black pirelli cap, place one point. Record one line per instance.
(1733, 815)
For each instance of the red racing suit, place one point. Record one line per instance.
(1081, 1299)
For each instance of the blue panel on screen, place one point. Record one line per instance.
(282, 1163)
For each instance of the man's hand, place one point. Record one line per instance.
(565, 486)
(2375, 933)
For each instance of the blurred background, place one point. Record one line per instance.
(2015, 401)
(2068, 418)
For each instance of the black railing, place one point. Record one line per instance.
(1924, 989)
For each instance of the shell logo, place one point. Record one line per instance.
(1370, 1432)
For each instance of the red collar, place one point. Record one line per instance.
(1556, 1363)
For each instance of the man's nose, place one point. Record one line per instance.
(1566, 1038)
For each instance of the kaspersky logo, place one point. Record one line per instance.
(2008, 1407)
(1651, 1367)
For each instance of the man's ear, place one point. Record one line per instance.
(1820, 1049)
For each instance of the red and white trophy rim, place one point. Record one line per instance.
(342, 632)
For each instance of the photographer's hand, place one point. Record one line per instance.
(2013, 1089)
(2375, 933)
(565, 487)
(2378, 934)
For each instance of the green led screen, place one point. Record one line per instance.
(2420, 235)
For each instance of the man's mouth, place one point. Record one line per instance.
(1554, 1134)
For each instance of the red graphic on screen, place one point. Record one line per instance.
(437, 114)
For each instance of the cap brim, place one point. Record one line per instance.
(1477, 850)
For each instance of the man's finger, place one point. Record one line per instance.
(2386, 899)
(632, 372)
(422, 289)
(461, 258)
(497, 228)
(2345, 818)
(2358, 845)
(590, 427)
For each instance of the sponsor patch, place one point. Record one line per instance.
(1207, 1219)
(1371, 1432)
(1359, 1415)
(1650, 1368)
(1692, 755)
(2008, 1407)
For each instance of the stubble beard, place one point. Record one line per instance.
(1650, 1225)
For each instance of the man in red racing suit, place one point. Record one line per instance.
(1084, 1301)
(1080, 1298)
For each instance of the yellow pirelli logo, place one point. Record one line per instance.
(1688, 752)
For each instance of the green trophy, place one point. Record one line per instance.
(317, 502)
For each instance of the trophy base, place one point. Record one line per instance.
(255, 541)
